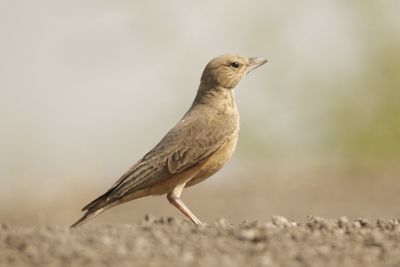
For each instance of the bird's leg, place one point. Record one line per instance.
(174, 199)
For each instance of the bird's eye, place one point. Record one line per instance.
(235, 64)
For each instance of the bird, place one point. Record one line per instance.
(194, 149)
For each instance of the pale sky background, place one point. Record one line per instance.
(87, 87)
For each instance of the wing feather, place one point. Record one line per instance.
(190, 142)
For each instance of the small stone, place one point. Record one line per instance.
(280, 221)
(247, 234)
(343, 221)
(171, 220)
(357, 224)
(148, 218)
(363, 222)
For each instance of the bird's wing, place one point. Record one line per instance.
(190, 142)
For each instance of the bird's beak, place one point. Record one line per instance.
(255, 62)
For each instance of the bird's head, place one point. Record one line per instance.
(227, 70)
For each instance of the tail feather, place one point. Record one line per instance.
(94, 208)
(86, 217)
(98, 203)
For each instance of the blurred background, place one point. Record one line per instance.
(87, 87)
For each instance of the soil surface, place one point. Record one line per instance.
(175, 242)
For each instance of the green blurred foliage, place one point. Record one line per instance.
(366, 123)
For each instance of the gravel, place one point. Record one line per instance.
(175, 242)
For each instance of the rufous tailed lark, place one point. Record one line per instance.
(196, 148)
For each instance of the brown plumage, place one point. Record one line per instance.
(194, 149)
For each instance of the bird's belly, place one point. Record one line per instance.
(215, 162)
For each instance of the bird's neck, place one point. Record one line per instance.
(217, 97)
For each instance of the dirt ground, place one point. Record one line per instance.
(176, 242)
(34, 230)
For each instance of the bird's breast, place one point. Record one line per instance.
(216, 161)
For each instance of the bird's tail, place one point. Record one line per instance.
(95, 207)
(90, 214)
